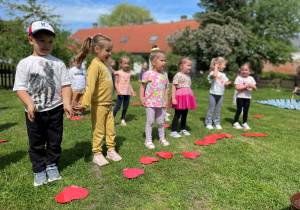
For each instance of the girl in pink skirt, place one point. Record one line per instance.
(183, 97)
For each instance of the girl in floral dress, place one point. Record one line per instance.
(153, 96)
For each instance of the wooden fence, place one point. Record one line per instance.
(7, 76)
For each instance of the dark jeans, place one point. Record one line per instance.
(120, 99)
(242, 104)
(45, 136)
(179, 112)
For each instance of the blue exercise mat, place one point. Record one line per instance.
(282, 103)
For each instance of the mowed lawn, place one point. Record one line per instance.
(238, 173)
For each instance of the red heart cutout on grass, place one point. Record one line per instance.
(228, 135)
(191, 154)
(260, 135)
(76, 118)
(131, 173)
(166, 125)
(148, 160)
(200, 142)
(135, 103)
(257, 116)
(249, 134)
(71, 193)
(211, 141)
(215, 136)
(166, 155)
(3, 140)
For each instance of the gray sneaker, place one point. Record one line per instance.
(40, 178)
(52, 173)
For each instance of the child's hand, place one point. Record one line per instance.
(69, 111)
(80, 108)
(142, 102)
(228, 83)
(119, 93)
(134, 94)
(30, 112)
(174, 101)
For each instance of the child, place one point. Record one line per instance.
(244, 84)
(43, 84)
(111, 63)
(153, 96)
(218, 81)
(183, 97)
(123, 87)
(78, 79)
(144, 69)
(99, 93)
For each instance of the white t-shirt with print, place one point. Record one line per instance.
(43, 78)
(246, 93)
(218, 83)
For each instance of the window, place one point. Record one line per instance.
(153, 38)
(125, 39)
(168, 38)
(75, 41)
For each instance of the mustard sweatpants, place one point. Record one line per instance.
(103, 124)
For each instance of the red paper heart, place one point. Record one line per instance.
(200, 142)
(211, 141)
(71, 193)
(249, 134)
(3, 140)
(135, 103)
(191, 154)
(228, 135)
(215, 136)
(260, 135)
(166, 155)
(148, 160)
(76, 118)
(167, 125)
(131, 173)
(257, 116)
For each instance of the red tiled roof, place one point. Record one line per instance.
(139, 35)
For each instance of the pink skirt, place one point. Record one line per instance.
(185, 99)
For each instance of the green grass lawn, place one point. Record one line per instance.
(238, 173)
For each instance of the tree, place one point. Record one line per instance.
(14, 33)
(264, 28)
(123, 13)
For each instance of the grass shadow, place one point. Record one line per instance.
(119, 143)
(231, 109)
(202, 119)
(70, 156)
(4, 108)
(6, 126)
(286, 208)
(11, 158)
(230, 120)
(130, 117)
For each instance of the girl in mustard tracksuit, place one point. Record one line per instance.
(99, 93)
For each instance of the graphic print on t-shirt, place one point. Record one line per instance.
(42, 87)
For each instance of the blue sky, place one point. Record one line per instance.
(79, 14)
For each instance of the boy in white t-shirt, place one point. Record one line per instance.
(42, 83)
(244, 84)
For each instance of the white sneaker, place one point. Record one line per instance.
(123, 123)
(209, 127)
(167, 114)
(219, 127)
(175, 134)
(167, 119)
(237, 125)
(246, 126)
(185, 132)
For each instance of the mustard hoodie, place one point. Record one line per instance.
(99, 88)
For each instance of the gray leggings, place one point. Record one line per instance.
(214, 100)
(157, 113)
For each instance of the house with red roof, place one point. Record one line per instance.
(138, 39)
